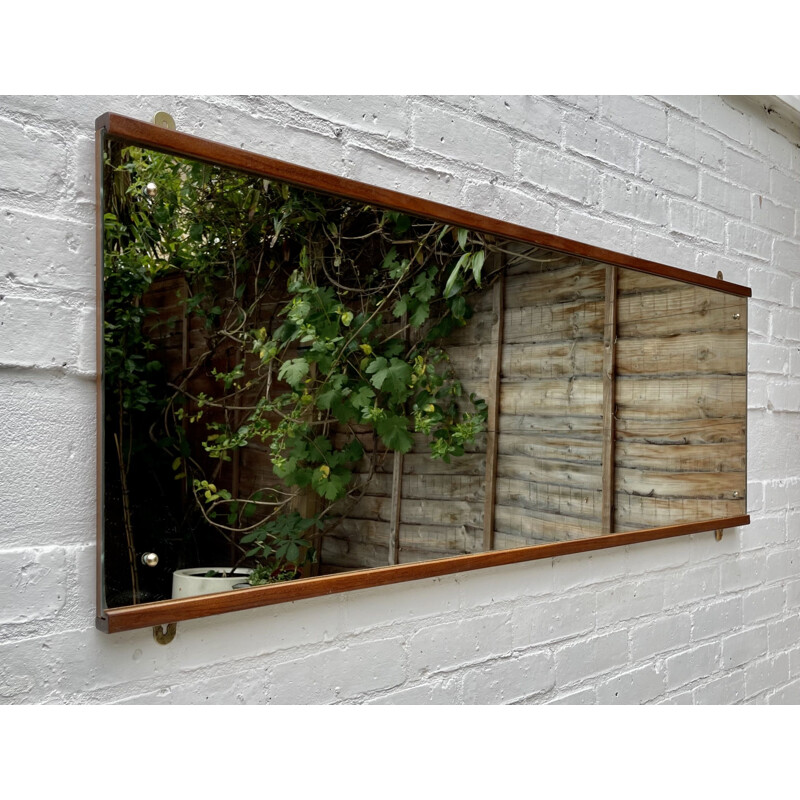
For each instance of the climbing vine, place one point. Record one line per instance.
(315, 325)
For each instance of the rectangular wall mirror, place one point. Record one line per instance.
(310, 385)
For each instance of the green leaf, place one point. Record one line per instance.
(392, 377)
(393, 431)
(294, 371)
(451, 287)
(462, 237)
(401, 306)
(421, 313)
(477, 265)
(362, 397)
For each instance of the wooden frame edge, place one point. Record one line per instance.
(116, 620)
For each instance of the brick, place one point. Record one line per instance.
(726, 690)
(664, 249)
(34, 160)
(744, 572)
(762, 604)
(588, 102)
(690, 585)
(770, 358)
(759, 317)
(32, 584)
(729, 121)
(784, 396)
(384, 170)
(49, 427)
(239, 688)
(767, 214)
(767, 284)
(459, 138)
(755, 496)
(696, 221)
(453, 644)
(786, 324)
(587, 569)
(630, 600)
(686, 138)
(786, 695)
(338, 673)
(770, 450)
(595, 140)
(637, 686)
(783, 565)
(667, 172)
(263, 126)
(552, 620)
(556, 173)
(746, 170)
(41, 251)
(781, 494)
(591, 656)
(446, 691)
(380, 607)
(508, 204)
(764, 674)
(602, 231)
(86, 361)
(636, 116)
(634, 200)
(689, 666)
(680, 699)
(688, 103)
(743, 238)
(733, 268)
(379, 114)
(581, 697)
(651, 556)
(722, 196)
(37, 333)
(509, 680)
(784, 188)
(512, 582)
(535, 116)
(660, 636)
(716, 618)
(705, 547)
(783, 634)
(743, 646)
(777, 149)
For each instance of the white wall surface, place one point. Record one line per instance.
(702, 183)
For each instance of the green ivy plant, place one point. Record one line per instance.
(335, 312)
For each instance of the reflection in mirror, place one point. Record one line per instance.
(297, 385)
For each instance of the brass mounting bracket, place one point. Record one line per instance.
(718, 534)
(164, 634)
(164, 120)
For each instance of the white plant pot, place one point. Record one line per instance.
(193, 582)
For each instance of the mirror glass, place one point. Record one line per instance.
(297, 384)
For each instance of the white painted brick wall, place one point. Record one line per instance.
(697, 182)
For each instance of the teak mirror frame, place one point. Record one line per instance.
(112, 620)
